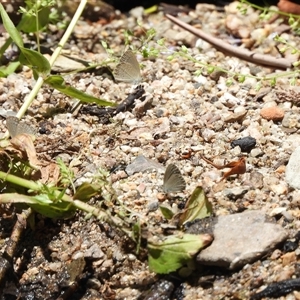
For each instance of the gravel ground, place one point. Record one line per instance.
(187, 115)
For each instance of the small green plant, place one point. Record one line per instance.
(177, 251)
(33, 21)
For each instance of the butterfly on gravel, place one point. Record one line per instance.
(128, 70)
(16, 127)
(173, 180)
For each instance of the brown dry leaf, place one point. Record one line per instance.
(237, 167)
(24, 143)
(50, 173)
(83, 138)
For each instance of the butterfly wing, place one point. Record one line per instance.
(12, 125)
(15, 127)
(128, 70)
(25, 128)
(173, 180)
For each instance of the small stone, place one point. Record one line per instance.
(288, 216)
(280, 169)
(285, 274)
(137, 12)
(237, 116)
(290, 246)
(235, 193)
(279, 189)
(153, 206)
(208, 134)
(55, 266)
(277, 211)
(94, 252)
(290, 120)
(161, 197)
(273, 113)
(257, 180)
(292, 173)
(276, 254)
(246, 143)
(229, 100)
(256, 152)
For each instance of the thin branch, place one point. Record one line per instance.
(250, 56)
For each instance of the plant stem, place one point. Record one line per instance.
(53, 58)
(31, 185)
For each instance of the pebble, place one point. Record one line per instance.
(238, 115)
(208, 134)
(277, 211)
(153, 206)
(94, 252)
(229, 100)
(256, 152)
(273, 113)
(292, 174)
(279, 189)
(246, 143)
(291, 120)
(236, 192)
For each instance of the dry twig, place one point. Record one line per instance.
(256, 58)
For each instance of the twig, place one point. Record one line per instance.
(12, 244)
(250, 56)
(106, 113)
(277, 289)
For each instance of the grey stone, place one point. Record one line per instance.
(240, 239)
(292, 173)
(94, 252)
(257, 179)
(236, 192)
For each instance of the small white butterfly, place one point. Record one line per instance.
(16, 127)
(173, 180)
(128, 69)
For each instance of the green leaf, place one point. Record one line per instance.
(137, 235)
(42, 204)
(241, 78)
(167, 213)
(58, 83)
(10, 27)
(168, 255)
(273, 81)
(58, 210)
(210, 69)
(86, 191)
(35, 61)
(184, 49)
(229, 82)
(161, 42)
(197, 207)
(9, 69)
(29, 21)
(55, 80)
(16, 198)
